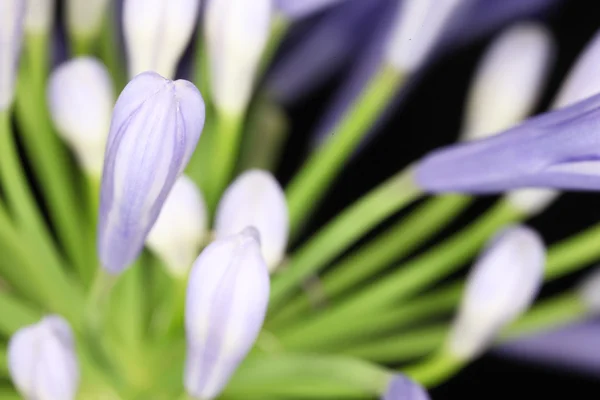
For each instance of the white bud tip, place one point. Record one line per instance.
(502, 284)
(85, 17)
(39, 16)
(589, 292)
(583, 80)
(81, 100)
(532, 201)
(42, 360)
(157, 33)
(256, 199)
(180, 228)
(417, 29)
(509, 80)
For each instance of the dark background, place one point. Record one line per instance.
(431, 117)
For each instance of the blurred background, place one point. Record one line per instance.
(430, 116)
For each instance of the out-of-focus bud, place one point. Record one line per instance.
(227, 298)
(236, 35)
(295, 9)
(85, 17)
(39, 16)
(418, 27)
(180, 228)
(501, 286)
(256, 199)
(402, 388)
(509, 80)
(157, 33)
(155, 127)
(589, 292)
(42, 360)
(583, 80)
(12, 18)
(581, 83)
(81, 99)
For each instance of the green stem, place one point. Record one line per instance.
(60, 293)
(309, 186)
(16, 314)
(407, 279)
(176, 322)
(9, 394)
(110, 49)
(279, 28)
(573, 253)
(3, 361)
(372, 258)
(202, 68)
(50, 162)
(225, 149)
(346, 228)
(435, 369)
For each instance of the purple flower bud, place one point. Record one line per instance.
(295, 9)
(558, 150)
(402, 388)
(227, 300)
(42, 360)
(12, 19)
(155, 127)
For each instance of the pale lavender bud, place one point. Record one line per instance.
(295, 9)
(402, 388)
(583, 80)
(589, 292)
(509, 80)
(236, 35)
(12, 19)
(418, 27)
(42, 360)
(155, 127)
(81, 99)
(84, 18)
(558, 149)
(181, 227)
(157, 33)
(227, 298)
(256, 199)
(39, 17)
(502, 284)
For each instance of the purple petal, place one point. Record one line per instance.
(560, 149)
(402, 388)
(301, 8)
(155, 127)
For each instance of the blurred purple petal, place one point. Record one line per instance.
(560, 149)
(155, 127)
(402, 388)
(295, 9)
(574, 348)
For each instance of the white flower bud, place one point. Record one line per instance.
(42, 361)
(236, 34)
(81, 100)
(39, 16)
(157, 33)
(532, 201)
(583, 80)
(502, 285)
(85, 17)
(419, 25)
(12, 17)
(509, 80)
(589, 292)
(256, 199)
(180, 228)
(227, 298)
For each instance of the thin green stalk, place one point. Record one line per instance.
(279, 28)
(61, 294)
(177, 314)
(202, 68)
(110, 49)
(3, 361)
(370, 259)
(407, 279)
(128, 305)
(16, 314)
(309, 186)
(435, 369)
(224, 152)
(548, 314)
(292, 374)
(368, 327)
(50, 163)
(346, 228)
(9, 394)
(573, 253)
(265, 136)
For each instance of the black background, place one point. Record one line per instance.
(431, 117)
